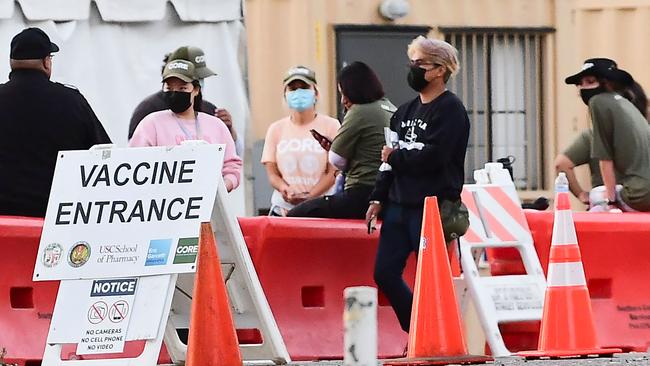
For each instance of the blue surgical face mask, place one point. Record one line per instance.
(301, 99)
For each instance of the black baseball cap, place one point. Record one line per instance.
(31, 44)
(602, 68)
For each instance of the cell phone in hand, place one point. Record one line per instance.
(324, 142)
(371, 224)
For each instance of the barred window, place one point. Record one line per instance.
(500, 84)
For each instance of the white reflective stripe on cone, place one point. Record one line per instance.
(564, 232)
(566, 274)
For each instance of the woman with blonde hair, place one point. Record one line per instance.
(433, 130)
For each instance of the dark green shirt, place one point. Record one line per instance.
(622, 135)
(360, 140)
(579, 152)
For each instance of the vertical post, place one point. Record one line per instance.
(360, 326)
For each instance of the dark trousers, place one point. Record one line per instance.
(400, 235)
(349, 204)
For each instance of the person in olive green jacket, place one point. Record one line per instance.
(356, 149)
(621, 136)
(579, 151)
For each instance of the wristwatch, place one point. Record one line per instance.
(374, 202)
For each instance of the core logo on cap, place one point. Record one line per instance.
(177, 65)
(587, 65)
(199, 59)
(299, 70)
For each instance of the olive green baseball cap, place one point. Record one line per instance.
(300, 73)
(196, 56)
(181, 69)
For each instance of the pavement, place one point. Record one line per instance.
(623, 359)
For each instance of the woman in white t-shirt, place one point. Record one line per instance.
(295, 162)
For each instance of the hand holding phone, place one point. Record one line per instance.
(324, 142)
(372, 224)
(371, 215)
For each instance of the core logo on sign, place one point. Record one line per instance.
(114, 287)
(186, 250)
(79, 254)
(158, 252)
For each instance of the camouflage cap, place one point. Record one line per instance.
(196, 56)
(300, 73)
(181, 69)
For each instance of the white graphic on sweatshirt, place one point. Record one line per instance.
(410, 138)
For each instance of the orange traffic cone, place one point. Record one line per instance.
(567, 328)
(436, 333)
(212, 339)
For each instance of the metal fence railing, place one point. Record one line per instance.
(500, 84)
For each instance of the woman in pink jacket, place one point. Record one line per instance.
(181, 122)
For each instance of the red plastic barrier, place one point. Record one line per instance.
(25, 306)
(615, 249)
(304, 265)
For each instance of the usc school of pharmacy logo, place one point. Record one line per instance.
(52, 255)
(79, 254)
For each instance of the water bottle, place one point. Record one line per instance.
(561, 183)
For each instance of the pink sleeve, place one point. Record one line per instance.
(145, 134)
(270, 144)
(232, 163)
(335, 127)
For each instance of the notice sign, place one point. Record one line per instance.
(107, 318)
(127, 212)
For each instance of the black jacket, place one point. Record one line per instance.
(39, 118)
(431, 158)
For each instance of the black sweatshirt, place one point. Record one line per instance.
(431, 157)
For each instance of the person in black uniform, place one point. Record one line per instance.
(433, 130)
(156, 101)
(38, 118)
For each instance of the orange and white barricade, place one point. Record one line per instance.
(497, 221)
(568, 328)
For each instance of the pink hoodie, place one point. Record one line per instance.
(162, 129)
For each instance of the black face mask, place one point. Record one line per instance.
(586, 94)
(178, 101)
(416, 78)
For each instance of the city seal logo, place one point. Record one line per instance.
(52, 255)
(79, 254)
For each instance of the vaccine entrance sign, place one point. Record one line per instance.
(120, 224)
(127, 212)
